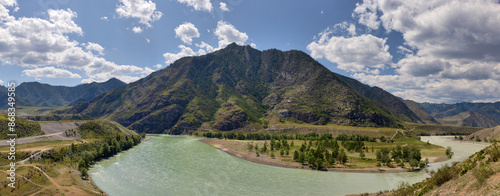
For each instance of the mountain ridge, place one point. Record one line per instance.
(46, 95)
(237, 88)
(466, 114)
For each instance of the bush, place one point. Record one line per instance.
(481, 174)
(443, 174)
(495, 153)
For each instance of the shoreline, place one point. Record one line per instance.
(295, 165)
(91, 180)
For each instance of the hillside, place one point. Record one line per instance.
(45, 95)
(420, 111)
(477, 175)
(465, 114)
(488, 134)
(239, 88)
(4, 99)
(23, 128)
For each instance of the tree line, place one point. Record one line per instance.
(84, 154)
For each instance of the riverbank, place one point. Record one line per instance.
(232, 147)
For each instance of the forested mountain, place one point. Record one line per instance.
(466, 114)
(241, 87)
(4, 99)
(38, 94)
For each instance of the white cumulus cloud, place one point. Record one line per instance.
(186, 32)
(454, 47)
(144, 10)
(50, 72)
(198, 5)
(36, 42)
(223, 7)
(90, 46)
(185, 51)
(227, 34)
(355, 54)
(137, 29)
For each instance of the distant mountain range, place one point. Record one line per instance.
(243, 88)
(465, 114)
(45, 95)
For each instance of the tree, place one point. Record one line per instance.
(85, 173)
(302, 147)
(310, 159)
(272, 155)
(282, 152)
(362, 155)
(413, 163)
(319, 163)
(264, 149)
(302, 157)
(449, 153)
(250, 146)
(296, 155)
(342, 157)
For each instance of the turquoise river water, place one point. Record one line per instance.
(180, 165)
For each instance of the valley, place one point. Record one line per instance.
(235, 108)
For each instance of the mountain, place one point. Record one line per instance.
(46, 95)
(465, 114)
(385, 100)
(420, 111)
(4, 99)
(239, 87)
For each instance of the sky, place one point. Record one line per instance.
(438, 51)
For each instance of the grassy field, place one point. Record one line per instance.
(302, 128)
(434, 129)
(60, 179)
(53, 179)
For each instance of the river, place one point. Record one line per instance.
(180, 165)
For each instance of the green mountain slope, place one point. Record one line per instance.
(23, 128)
(237, 88)
(385, 100)
(420, 112)
(465, 114)
(4, 99)
(55, 96)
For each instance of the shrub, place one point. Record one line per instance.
(443, 174)
(495, 153)
(481, 174)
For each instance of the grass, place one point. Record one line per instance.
(293, 127)
(39, 144)
(435, 129)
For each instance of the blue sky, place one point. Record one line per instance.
(434, 51)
